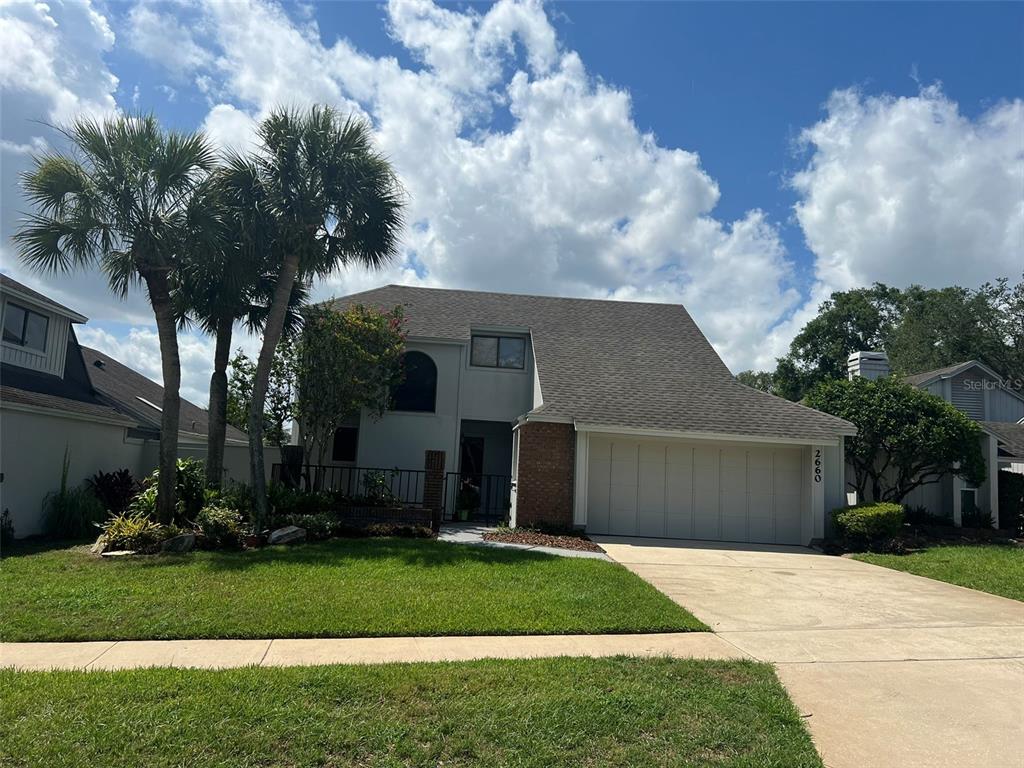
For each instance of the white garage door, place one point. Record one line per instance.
(729, 492)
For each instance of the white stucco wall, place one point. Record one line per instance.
(32, 450)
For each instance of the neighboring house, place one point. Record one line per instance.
(615, 417)
(982, 394)
(57, 396)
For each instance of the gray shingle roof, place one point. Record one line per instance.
(614, 363)
(66, 404)
(11, 283)
(917, 379)
(124, 386)
(1010, 437)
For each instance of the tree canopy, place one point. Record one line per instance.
(905, 438)
(919, 329)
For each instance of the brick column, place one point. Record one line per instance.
(433, 486)
(546, 475)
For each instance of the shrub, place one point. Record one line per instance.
(318, 526)
(115, 490)
(220, 525)
(6, 529)
(869, 522)
(286, 501)
(71, 513)
(1011, 501)
(920, 515)
(237, 496)
(191, 491)
(976, 518)
(134, 531)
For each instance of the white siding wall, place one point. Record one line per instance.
(52, 359)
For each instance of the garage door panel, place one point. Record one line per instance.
(599, 452)
(701, 491)
(650, 519)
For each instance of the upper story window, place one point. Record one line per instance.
(24, 327)
(418, 390)
(498, 351)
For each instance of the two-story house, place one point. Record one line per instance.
(615, 417)
(59, 398)
(983, 395)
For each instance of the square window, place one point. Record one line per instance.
(485, 351)
(511, 352)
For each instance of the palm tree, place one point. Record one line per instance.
(322, 197)
(124, 201)
(228, 282)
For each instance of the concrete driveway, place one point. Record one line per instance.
(888, 668)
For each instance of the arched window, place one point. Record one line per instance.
(418, 390)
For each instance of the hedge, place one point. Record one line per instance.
(869, 522)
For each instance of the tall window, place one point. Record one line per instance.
(25, 327)
(346, 443)
(498, 351)
(418, 391)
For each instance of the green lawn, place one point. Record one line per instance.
(544, 712)
(341, 588)
(990, 568)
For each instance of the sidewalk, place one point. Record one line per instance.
(222, 654)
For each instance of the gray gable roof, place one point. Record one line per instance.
(613, 363)
(1010, 437)
(124, 387)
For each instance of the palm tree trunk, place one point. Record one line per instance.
(160, 298)
(217, 426)
(261, 381)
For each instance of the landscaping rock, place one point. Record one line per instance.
(120, 553)
(287, 535)
(183, 542)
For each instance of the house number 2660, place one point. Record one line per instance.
(817, 465)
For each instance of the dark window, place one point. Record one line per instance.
(498, 351)
(418, 390)
(25, 327)
(346, 440)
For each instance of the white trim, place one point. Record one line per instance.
(715, 436)
(62, 414)
(47, 304)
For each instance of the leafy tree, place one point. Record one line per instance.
(905, 438)
(315, 196)
(346, 361)
(763, 380)
(280, 405)
(125, 202)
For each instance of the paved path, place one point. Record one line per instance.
(890, 669)
(220, 654)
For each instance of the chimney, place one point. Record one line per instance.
(870, 365)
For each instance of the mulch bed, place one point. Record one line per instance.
(538, 539)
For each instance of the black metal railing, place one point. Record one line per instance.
(404, 486)
(477, 497)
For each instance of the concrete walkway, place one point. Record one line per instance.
(890, 669)
(222, 654)
(473, 533)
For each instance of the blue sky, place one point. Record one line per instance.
(744, 159)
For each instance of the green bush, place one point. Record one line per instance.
(317, 527)
(72, 513)
(976, 518)
(115, 490)
(220, 525)
(237, 496)
(134, 531)
(191, 491)
(1011, 501)
(869, 522)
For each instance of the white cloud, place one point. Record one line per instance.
(571, 199)
(909, 190)
(161, 38)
